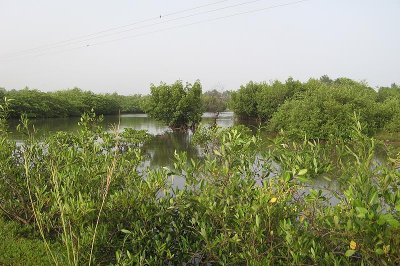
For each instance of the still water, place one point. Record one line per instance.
(160, 150)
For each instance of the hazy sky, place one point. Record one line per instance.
(359, 39)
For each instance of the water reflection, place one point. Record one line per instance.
(162, 147)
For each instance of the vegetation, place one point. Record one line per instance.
(69, 103)
(319, 108)
(261, 100)
(322, 191)
(389, 99)
(178, 106)
(85, 198)
(215, 101)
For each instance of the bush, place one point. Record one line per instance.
(60, 184)
(327, 111)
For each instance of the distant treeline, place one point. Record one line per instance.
(74, 102)
(319, 108)
(69, 103)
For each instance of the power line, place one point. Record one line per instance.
(174, 19)
(179, 26)
(91, 37)
(205, 21)
(120, 27)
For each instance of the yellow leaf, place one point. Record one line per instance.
(273, 200)
(386, 249)
(353, 245)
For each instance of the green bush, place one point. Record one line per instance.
(60, 184)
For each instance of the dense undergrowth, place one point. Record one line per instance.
(85, 198)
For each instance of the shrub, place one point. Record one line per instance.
(327, 112)
(176, 105)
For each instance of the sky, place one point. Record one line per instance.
(51, 45)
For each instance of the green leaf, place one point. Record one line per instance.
(286, 176)
(379, 251)
(126, 231)
(389, 219)
(361, 212)
(373, 198)
(203, 233)
(336, 220)
(303, 179)
(217, 153)
(302, 172)
(257, 221)
(349, 253)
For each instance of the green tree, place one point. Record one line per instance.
(326, 79)
(261, 100)
(214, 102)
(273, 95)
(177, 105)
(2, 94)
(244, 101)
(389, 114)
(385, 93)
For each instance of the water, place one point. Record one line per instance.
(160, 149)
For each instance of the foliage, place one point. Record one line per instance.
(19, 246)
(318, 108)
(215, 101)
(232, 212)
(246, 201)
(385, 93)
(128, 104)
(60, 184)
(244, 102)
(327, 111)
(72, 102)
(390, 114)
(176, 105)
(261, 100)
